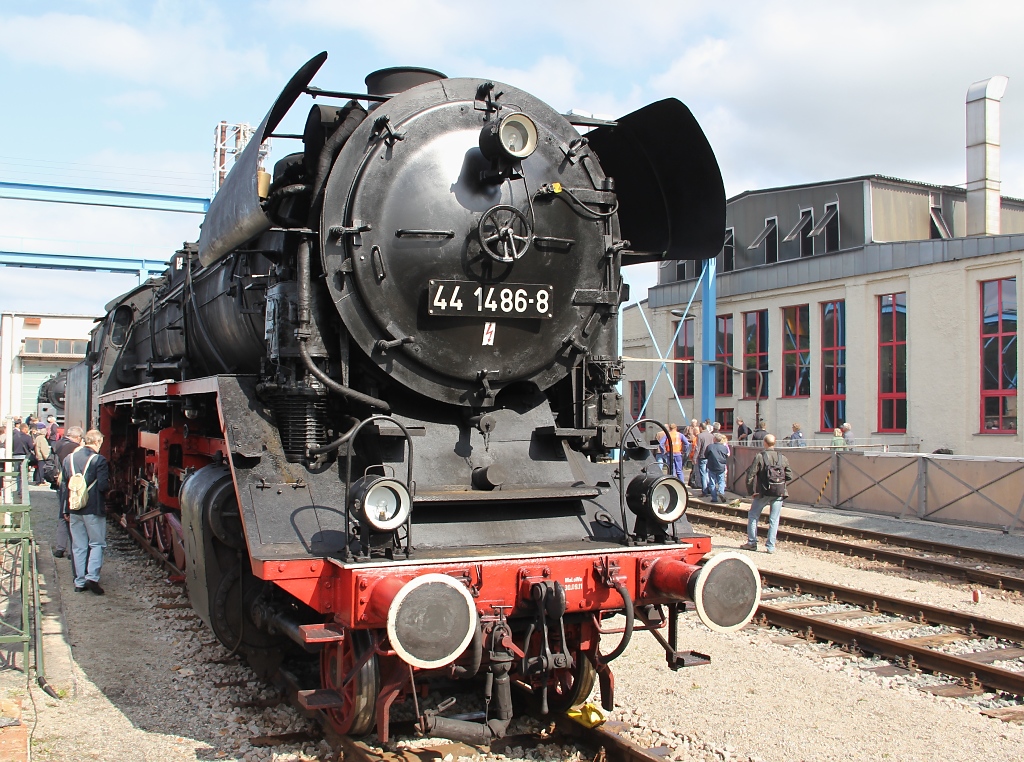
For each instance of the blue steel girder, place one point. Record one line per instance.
(96, 197)
(141, 267)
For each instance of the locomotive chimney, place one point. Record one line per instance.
(983, 196)
(399, 79)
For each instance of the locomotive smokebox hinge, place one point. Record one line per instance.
(382, 129)
(357, 227)
(485, 101)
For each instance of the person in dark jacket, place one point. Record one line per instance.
(704, 440)
(72, 441)
(757, 486)
(717, 457)
(743, 432)
(22, 446)
(759, 433)
(89, 525)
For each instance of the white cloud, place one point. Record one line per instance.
(805, 92)
(167, 51)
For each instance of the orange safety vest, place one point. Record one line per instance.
(677, 442)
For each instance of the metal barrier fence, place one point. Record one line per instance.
(974, 491)
(20, 610)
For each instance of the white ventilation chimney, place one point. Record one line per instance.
(983, 196)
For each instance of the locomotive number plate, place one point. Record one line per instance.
(465, 298)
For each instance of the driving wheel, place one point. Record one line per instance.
(358, 712)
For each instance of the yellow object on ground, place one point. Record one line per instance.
(588, 715)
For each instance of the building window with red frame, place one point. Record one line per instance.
(723, 353)
(684, 351)
(755, 354)
(892, 362)
(727, 417)
(999, 356)
(833, 365)
(637, 397)
(796, 351)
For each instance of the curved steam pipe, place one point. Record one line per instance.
(304, 320)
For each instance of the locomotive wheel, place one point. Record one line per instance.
(358, 715)
(231, 604)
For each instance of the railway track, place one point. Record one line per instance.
(608, 742)
(876, 546)
(915, 636)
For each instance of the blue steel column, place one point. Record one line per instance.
(709, 343)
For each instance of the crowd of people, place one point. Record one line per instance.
(699, 454)
(71, 463)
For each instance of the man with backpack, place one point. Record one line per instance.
(766, 482)
(71, 441)
(84, 482)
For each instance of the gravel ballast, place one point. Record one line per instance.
(140, 685)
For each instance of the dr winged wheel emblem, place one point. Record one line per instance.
(505, 233)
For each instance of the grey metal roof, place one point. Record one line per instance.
(847, 263)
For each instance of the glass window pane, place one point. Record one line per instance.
(901, 317)
(1009, 311)
(901, 414)
(990, 306)
(841, 379)
(32, 346)
(48, 346)
(900, 371)
(1009, 377)
(64, 346)
(885, 318)
(81, 347)
(885, 379)
(990, 364)
(887, 414)
(762, 330)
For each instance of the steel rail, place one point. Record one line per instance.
(905, 560)
(886, 604)
(911, 654)
(958, 551)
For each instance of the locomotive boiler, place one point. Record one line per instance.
(373, 414)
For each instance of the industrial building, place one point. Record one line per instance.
(885, 303)
(34, 347)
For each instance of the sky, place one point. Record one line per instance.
(125, 94)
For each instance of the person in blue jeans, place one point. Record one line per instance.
(88, 525)
(759, 488)
(717, 458)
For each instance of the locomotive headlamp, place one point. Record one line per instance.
(512, 137)
(382, 502)
(662, 498)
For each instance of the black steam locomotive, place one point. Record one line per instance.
(373, 414)
(50, 400)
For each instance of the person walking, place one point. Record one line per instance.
(759, 433)
(717, 458)
(88, 525)
(52, 430)
(797, 439)
(767, 478)
(743, 432)
(704, 439)
(848, 434)
(838, 443)
(678, 448)
(72, 441)
(22, 447)
(41, 449)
